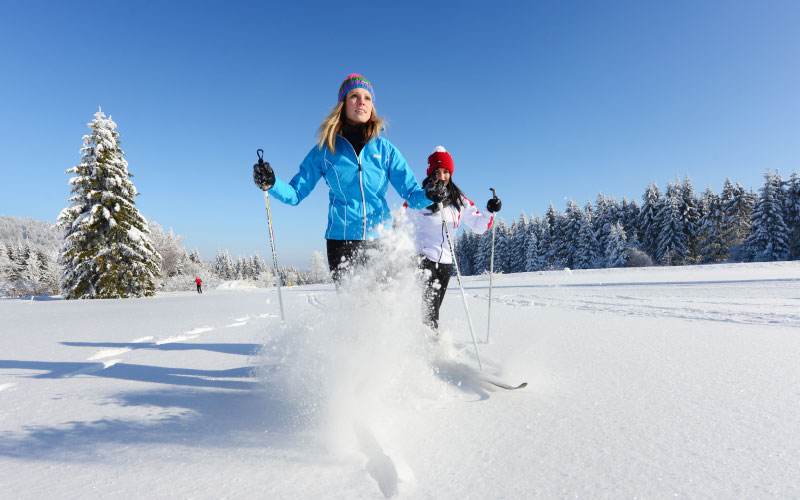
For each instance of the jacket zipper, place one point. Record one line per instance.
(360, 185)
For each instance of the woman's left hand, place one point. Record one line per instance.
(494, 205)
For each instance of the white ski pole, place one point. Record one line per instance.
(260, 153)
(491, 275)
(461, 285)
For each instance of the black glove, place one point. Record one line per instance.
(435, 191)
(494, 205)
(263, 175)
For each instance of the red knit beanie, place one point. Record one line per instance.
(440, 158)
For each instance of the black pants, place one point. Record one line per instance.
(344, 255)
(433, 289)
(199, 289)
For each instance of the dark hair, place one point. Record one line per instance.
(454, 195)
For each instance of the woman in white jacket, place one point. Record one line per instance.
(436, 259)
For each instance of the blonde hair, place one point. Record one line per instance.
(332, 125)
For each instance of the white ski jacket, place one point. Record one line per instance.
(430, 235)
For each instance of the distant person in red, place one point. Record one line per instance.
(199, 284)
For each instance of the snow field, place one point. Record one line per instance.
(642, 383)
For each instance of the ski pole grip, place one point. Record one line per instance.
(260, 153)
(494, 193)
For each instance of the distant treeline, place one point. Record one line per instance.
(675, 227)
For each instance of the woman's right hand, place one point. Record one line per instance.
(435, 191)
(263, 175)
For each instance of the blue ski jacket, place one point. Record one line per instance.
(358, 185)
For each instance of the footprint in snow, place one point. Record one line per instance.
(379, 465)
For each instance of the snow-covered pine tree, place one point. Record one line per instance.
(31, 274)
(791, 214)
(519, 241)
(483, 250)
(472, 253)
(318, 270)
(607, 213)
(259, 266)
(553, 243)
(769, 236)
(649, 229)
(574, 219)
(5, 265)
(194, 256)
(219, 265)
(106, 251)
(502, 246)
(672, 239)
(464, 253)
(629, 216)
(535, 258)
(691, 214)
(710, 244)
(229, 266)
(616, 246)
(586, 248)
(171, 249)
(737, 206)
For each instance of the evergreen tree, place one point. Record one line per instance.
(463, 254)
(629, 217)
(535, 252)
(711, 246)
(649, 229)
(106, 252)
(31, 273)
(607, 214)
(769, 236)
(616, 245)
(672, 238)
(258, 265)
(690, 214)
(791, 214)
(737, 206)
(519, 241)
(171, 249)
(194, 256)
(553, 240)
(218, 264)
(229, 266)
(318, 270)
(5, 264)
(574, 219)
(586, 254)
(502, 246)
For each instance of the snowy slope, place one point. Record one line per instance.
(655, 383)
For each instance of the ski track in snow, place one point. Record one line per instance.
(108, 353)
(176, 338)
(313, 301)
(94, 368)
(744, 311)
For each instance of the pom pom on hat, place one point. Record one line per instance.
(440, 158)
(352, 82)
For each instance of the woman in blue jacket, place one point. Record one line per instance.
(358, 165)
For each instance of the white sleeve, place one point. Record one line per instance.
(473, 218)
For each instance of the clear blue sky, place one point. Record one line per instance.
(544, 101)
